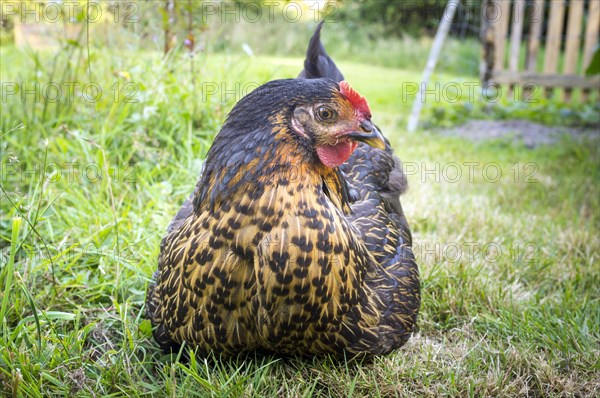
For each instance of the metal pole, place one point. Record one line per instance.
(436, 48)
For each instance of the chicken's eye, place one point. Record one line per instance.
(326, 114)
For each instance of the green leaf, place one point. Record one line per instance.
(48, 315)
(594, 67)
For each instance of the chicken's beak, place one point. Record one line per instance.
(369, 134)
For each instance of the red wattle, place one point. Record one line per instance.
(335, 155)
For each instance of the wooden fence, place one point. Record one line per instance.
(559, 61)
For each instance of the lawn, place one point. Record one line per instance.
(506, 239)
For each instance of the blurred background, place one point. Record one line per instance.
(388, 34)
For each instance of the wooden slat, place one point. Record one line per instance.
(516, 34)
(591, 37)
(535, 31)
(573, 41)
(553, 37)
(537, 19)
(573, 36)
(503, 6)
(546, 80)
(555, 23)
(591, 32)
(487, 37)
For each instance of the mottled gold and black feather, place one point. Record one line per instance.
(277, 251)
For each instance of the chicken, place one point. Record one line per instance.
(294, 240)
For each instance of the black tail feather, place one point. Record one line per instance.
(318, 63)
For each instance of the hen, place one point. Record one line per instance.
(294, 240)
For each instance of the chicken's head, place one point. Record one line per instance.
(281, 125)
(333, 125)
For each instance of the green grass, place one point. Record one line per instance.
(509, 268)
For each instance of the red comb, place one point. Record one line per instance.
(358, 101)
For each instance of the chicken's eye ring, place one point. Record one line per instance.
(326, 114)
